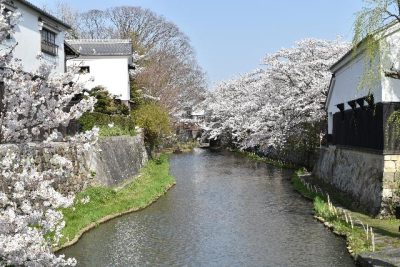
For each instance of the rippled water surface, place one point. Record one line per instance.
(224, 211)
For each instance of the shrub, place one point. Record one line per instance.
(110, 125)
(155, 122)
(107, 103)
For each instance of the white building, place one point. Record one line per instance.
(38, 33)
(358, 117)
(107, 62)
(362, 158)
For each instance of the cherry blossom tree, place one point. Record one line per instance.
(267, 108)
(33, 106)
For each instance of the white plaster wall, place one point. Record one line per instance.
(346, 85)
(28, 37)
(391, 58)
(110, 72)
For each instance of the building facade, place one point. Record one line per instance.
(37, 35)
(362, 159)
(104, 63)
(360, 117)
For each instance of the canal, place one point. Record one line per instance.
(225, 210)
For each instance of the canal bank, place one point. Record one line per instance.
(97, 205)
(370, 241)
(225, 211)
(358, 242)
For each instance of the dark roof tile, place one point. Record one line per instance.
(102, 47)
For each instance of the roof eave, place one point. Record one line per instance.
(105, 55)
(45, 14)
(73, 50)
(334, 67)
(359, 48)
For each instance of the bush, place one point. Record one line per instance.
(155, 122)
(107, 103)
(110, 125)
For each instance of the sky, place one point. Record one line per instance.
(231, 37)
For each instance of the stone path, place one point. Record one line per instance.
(385, 257)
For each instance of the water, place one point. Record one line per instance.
(224, 211)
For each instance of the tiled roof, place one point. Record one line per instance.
(102, 47)
(44, 13)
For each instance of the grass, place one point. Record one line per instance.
(153, 182)
(334, 218)
(116, 130)
(356, 236)
(120, 124)
(387, 227)
(255, 157)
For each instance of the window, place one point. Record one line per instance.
(84, 69)
(49, 42)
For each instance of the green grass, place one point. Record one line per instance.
(121, 125)
(152, 183)
(301, 188)
(356, 237)
(387, 227)
(115, 131)
(255, 157)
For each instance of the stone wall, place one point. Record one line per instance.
(110, 162)
(42, 155)
(116, 159)
(391, 180)
(370, 179)
(299, 158)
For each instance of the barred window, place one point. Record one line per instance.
(49, 42)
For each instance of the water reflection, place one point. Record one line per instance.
(224, 211)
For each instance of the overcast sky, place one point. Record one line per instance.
(232, 36)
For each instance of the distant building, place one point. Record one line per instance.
(38, 34)
(188, 124)
(107, 62)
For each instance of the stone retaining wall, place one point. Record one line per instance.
(371, 180)
(110, 162)
(116, 159)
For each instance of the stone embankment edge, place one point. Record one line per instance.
(358, 259)
(109, 218)
(331, 227)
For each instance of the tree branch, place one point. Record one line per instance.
(393, 15)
